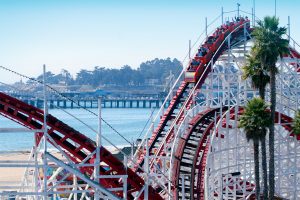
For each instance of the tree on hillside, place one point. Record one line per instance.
(64, 76)
(84, 77)
(160, 68)
(269, 46)
(125, 76)
(50, 78)
(98, 76)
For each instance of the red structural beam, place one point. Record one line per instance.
(65, 136)
(211, 45)
(285, 122)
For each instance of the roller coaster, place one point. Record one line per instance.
(192, 150)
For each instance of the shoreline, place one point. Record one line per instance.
(13, 175)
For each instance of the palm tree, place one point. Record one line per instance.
(269, 45)
(296, 123)
(255, 121)
(255, 71)
(259, 79)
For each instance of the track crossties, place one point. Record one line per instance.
(190, 155)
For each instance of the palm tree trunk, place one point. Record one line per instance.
(264, 167)
(264, 153)
(271, 134)
(256, 168)
(261, 91)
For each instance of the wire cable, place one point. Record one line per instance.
(146, 123)
(68, 98)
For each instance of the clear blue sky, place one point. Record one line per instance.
(74, 34)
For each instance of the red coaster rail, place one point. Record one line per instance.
(164, 132)
(78, 146)
(294, 54)
(165, 122)
(199, 67)
(188, 154)
(204, 146)
(191, 155)
(72, 142)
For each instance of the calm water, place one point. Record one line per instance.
(129, 122)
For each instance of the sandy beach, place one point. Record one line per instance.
(12, 176)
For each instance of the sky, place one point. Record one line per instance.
(74, 35)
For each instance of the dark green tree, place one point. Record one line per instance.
(84, 77)
(50, 78)
(269, 46)
(64, 76)
(255, 121)
(259, 79)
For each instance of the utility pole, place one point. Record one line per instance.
(238, 9)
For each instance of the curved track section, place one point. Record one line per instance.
(195, 76)
(191, 155)
(165, 124)
(74, 143)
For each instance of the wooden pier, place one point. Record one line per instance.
(93, 103)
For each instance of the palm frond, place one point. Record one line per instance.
(255, 119)
(296, 123)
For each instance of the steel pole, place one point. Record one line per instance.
(36, 169)
(45, 167)
(98, 143)
(146, 191)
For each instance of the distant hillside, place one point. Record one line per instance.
(151, 79)
(153, 72)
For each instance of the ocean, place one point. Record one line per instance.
(128, 122)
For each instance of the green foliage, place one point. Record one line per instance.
(269, 43)
(255, 70)
(255, 119)
(125, 76)
(296, 123)
(64, 76)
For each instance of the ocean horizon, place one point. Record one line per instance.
(129, 122)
